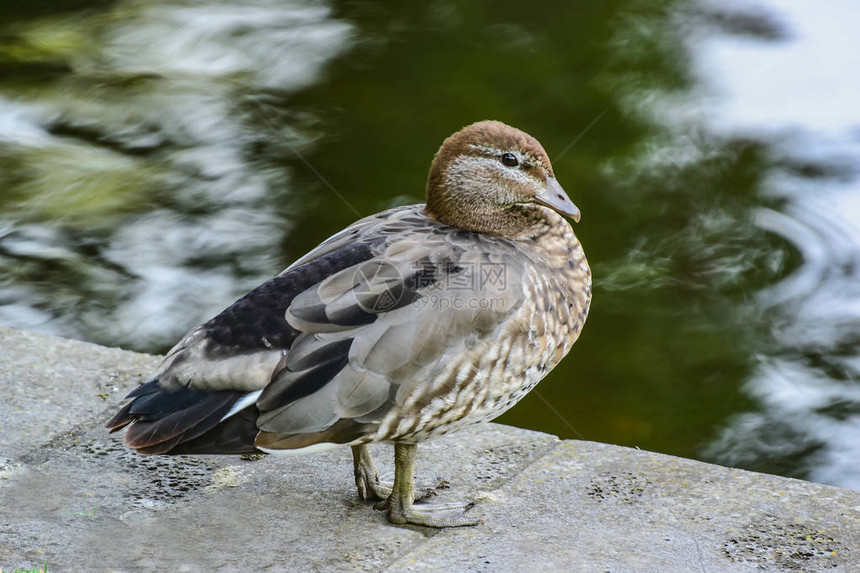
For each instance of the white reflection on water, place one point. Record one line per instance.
(800, 94)
(270, 43)
(148, 127)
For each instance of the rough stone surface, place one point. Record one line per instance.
(50, 384)
(74, 498)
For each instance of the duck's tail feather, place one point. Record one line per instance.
(185, 421)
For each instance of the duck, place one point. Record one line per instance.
(405, 326)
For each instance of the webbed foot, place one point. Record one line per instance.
(400, 506)
(427, 514)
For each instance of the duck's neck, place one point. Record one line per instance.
(518, 221)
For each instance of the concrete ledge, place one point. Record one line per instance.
(74, 497)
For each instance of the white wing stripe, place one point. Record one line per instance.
(243, 403)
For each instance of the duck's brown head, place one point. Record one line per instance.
(492, 178)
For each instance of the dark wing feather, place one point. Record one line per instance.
(161, 419)
(256, 321)
(235, 435)
(240, 350)
(289, 386)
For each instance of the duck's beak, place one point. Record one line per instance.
(555, 198)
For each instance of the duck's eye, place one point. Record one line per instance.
(510, 159)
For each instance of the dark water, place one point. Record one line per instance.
(160, 158)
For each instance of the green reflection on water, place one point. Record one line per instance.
(666, 218)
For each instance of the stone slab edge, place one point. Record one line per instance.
(577, 505)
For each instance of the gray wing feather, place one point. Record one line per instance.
(313, 413)
(360, 392)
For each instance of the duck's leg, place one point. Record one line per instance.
(400, 504)
(367, 476)
(371, 488)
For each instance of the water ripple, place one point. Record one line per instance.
(807, 381)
